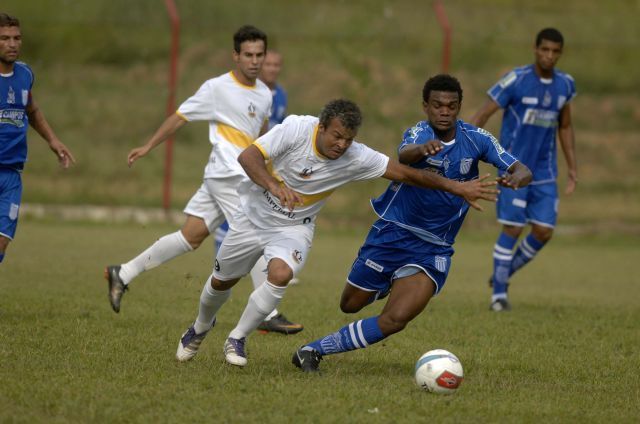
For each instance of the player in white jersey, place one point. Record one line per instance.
(312, 157)
(237, 106)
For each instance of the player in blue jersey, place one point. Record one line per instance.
(18, 110)
(536, 102)
(407, 253)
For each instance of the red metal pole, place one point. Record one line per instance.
(441, 15)
(171, 100)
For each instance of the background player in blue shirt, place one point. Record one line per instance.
(407, 253)
(18, 109)
(536, 102)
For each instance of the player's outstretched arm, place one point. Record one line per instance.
(484, 113)
(168, 127)
(518, 175)
(412, 153)
(252, 161)
(42, 127)
(567, 141)
(471, 191)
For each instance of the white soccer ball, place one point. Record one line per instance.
(439, 371)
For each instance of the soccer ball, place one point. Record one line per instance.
(439, 371)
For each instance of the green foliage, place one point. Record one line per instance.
(566, 353)
(102, 66)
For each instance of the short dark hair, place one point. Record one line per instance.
(248, 33)
(441, 82)
(8, 21)
(550, 34)
(345, 110)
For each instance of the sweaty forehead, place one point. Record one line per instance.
(444, 96)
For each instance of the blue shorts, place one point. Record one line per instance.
(536, 204)
(391, 252)
(10, 195)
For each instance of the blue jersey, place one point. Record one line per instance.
(435, 215)
(278, 107)
(15, 94)
(532, 108)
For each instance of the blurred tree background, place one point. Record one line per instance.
(102, 68)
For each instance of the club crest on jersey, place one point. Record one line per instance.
(297, 256)
(465, 165)
(252, 110)
(446, 162)
(25, 97)
(306, 173)
(441, 263)
(11, 96)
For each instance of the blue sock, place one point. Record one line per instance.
(502, 256)
(1, 256)
(527, 249)
(220, 233)
(357, 335)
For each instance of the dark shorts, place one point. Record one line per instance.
(391, 252)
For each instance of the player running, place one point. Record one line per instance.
(536, 102)
(313, 157)
(407, 253)
(236, 105)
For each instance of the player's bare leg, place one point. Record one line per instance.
(4, 243)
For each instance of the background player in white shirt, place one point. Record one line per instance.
(237, 106)
(312, 156)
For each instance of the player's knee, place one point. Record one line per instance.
(348, 306)
(280, 276)
(392, 323)
(543, 234)
(512, 231)
(4, 242)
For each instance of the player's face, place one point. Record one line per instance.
(249, 60)
(442, 110)
(335, 139)
(10, 42)
(271, 68)
(547, 55)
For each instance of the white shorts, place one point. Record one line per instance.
(245, 243)
(216, 200)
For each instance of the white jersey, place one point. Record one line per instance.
(291, 147)
(236, 113)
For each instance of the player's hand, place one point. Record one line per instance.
(431, 147)
(288, 197)
(65, 158)
(136, 154)
(481, 188)
(509, 180)
(572, 181)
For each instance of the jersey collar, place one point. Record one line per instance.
(315, 143)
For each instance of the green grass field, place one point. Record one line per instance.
(568, 352)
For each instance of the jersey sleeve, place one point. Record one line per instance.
(372, 164)
(503, 91)
(571, 87)
(418, 134)
(200, 106)
(278, 139)
(493, 152)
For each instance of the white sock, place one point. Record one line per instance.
(163, 250)
(263, 300)
(211, 300)
(258, 276)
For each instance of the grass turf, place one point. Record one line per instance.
(567, 352)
